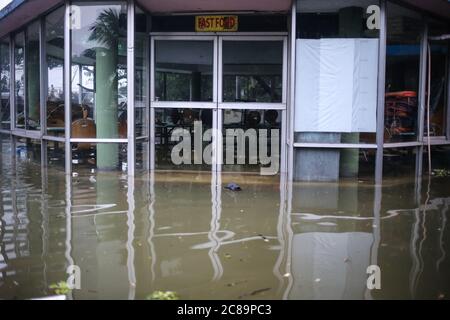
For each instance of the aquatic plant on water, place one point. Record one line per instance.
(440, 173)
(163, 295)
(60, 288)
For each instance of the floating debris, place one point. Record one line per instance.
(263, 237)
(232, 284)
(233, 187)
(254, 293)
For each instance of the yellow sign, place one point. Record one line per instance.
(216, 23)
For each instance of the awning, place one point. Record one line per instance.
(181, 6)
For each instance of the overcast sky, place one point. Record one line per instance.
(4, 3)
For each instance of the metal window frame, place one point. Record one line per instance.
(67, 87)
(43, 77)
(281, 106)
(186, 104)
(422, 97)
(291, 89)
(144, 138)
(244, 105)
(8, 40)
(14, 107)
(179, 104)
(131, 148)
(12, 75)
(447, 111)
(378, 146)
(217, 106)
(381, 92)
(37, 21)
(335, 145)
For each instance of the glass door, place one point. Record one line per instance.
(184, 100)
(252, 103)
(218, 103)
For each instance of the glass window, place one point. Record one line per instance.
(318, 19)
(142, 161)
(183, 139)
(252, 71)
(33, 77)
(99, 75)
(54, 42)
(440, 164)
(55, 154)
(251, 140)
(99, 156)
(99, 79)
(28, 150)
(438, 90)
(184, 70)
(5, 115)
(336, 72)
(404, 31)
(19, 76)
(399, 162)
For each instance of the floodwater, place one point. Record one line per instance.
(184, 232)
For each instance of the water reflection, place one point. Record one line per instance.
(184, 232)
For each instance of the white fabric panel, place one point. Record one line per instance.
(307, 96)
(365, 86)
(336, 85)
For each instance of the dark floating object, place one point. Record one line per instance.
(233, 187)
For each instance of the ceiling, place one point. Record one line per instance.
(159, 6)
(23, 12)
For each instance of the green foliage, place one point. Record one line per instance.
(60, 287)
(163, 295)
(441, 173)
(106, 29)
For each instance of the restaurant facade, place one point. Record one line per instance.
(317, 90)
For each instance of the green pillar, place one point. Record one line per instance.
(106, 106)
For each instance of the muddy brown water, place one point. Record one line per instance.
(184, 232)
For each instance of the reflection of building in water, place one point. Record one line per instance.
(184, 232)
(330, 265)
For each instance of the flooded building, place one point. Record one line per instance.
(121, 122)
(327, 90)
